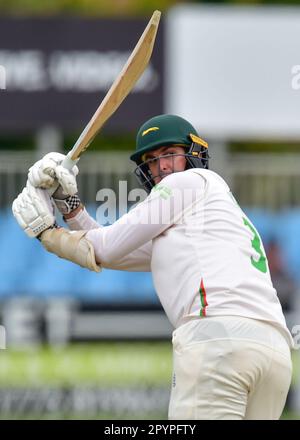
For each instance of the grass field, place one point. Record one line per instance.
(113, 380)
(112, 363)
(137, 373)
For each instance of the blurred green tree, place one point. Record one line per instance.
(84, 7)
(109, 8)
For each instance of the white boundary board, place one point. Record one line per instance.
(231, 71)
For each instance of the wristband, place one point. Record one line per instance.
(65, 206)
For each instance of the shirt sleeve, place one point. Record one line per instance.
(166, 205)
(82, 221)
(139, 260)
(136, 261)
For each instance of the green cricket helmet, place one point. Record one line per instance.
(166, 130)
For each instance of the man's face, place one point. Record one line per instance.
(165, 160)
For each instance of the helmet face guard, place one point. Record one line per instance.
(196, 157)
(163, 131)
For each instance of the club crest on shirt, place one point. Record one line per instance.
(164, 191)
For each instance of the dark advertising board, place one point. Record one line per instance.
(57, 70)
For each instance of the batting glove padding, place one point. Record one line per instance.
(46, 172)
(34, 210)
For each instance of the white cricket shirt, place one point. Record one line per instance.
(206, 257)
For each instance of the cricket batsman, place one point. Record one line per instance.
(231, 346)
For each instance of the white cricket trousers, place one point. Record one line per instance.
(229, 368)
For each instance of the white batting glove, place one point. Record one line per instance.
(45, 173)
(34, 210)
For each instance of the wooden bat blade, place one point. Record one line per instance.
(121, 87)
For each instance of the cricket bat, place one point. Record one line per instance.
(121, 87)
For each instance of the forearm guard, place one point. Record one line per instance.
(72, 246)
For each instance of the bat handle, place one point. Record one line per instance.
(67, 163)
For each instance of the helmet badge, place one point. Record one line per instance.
(149, 129)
